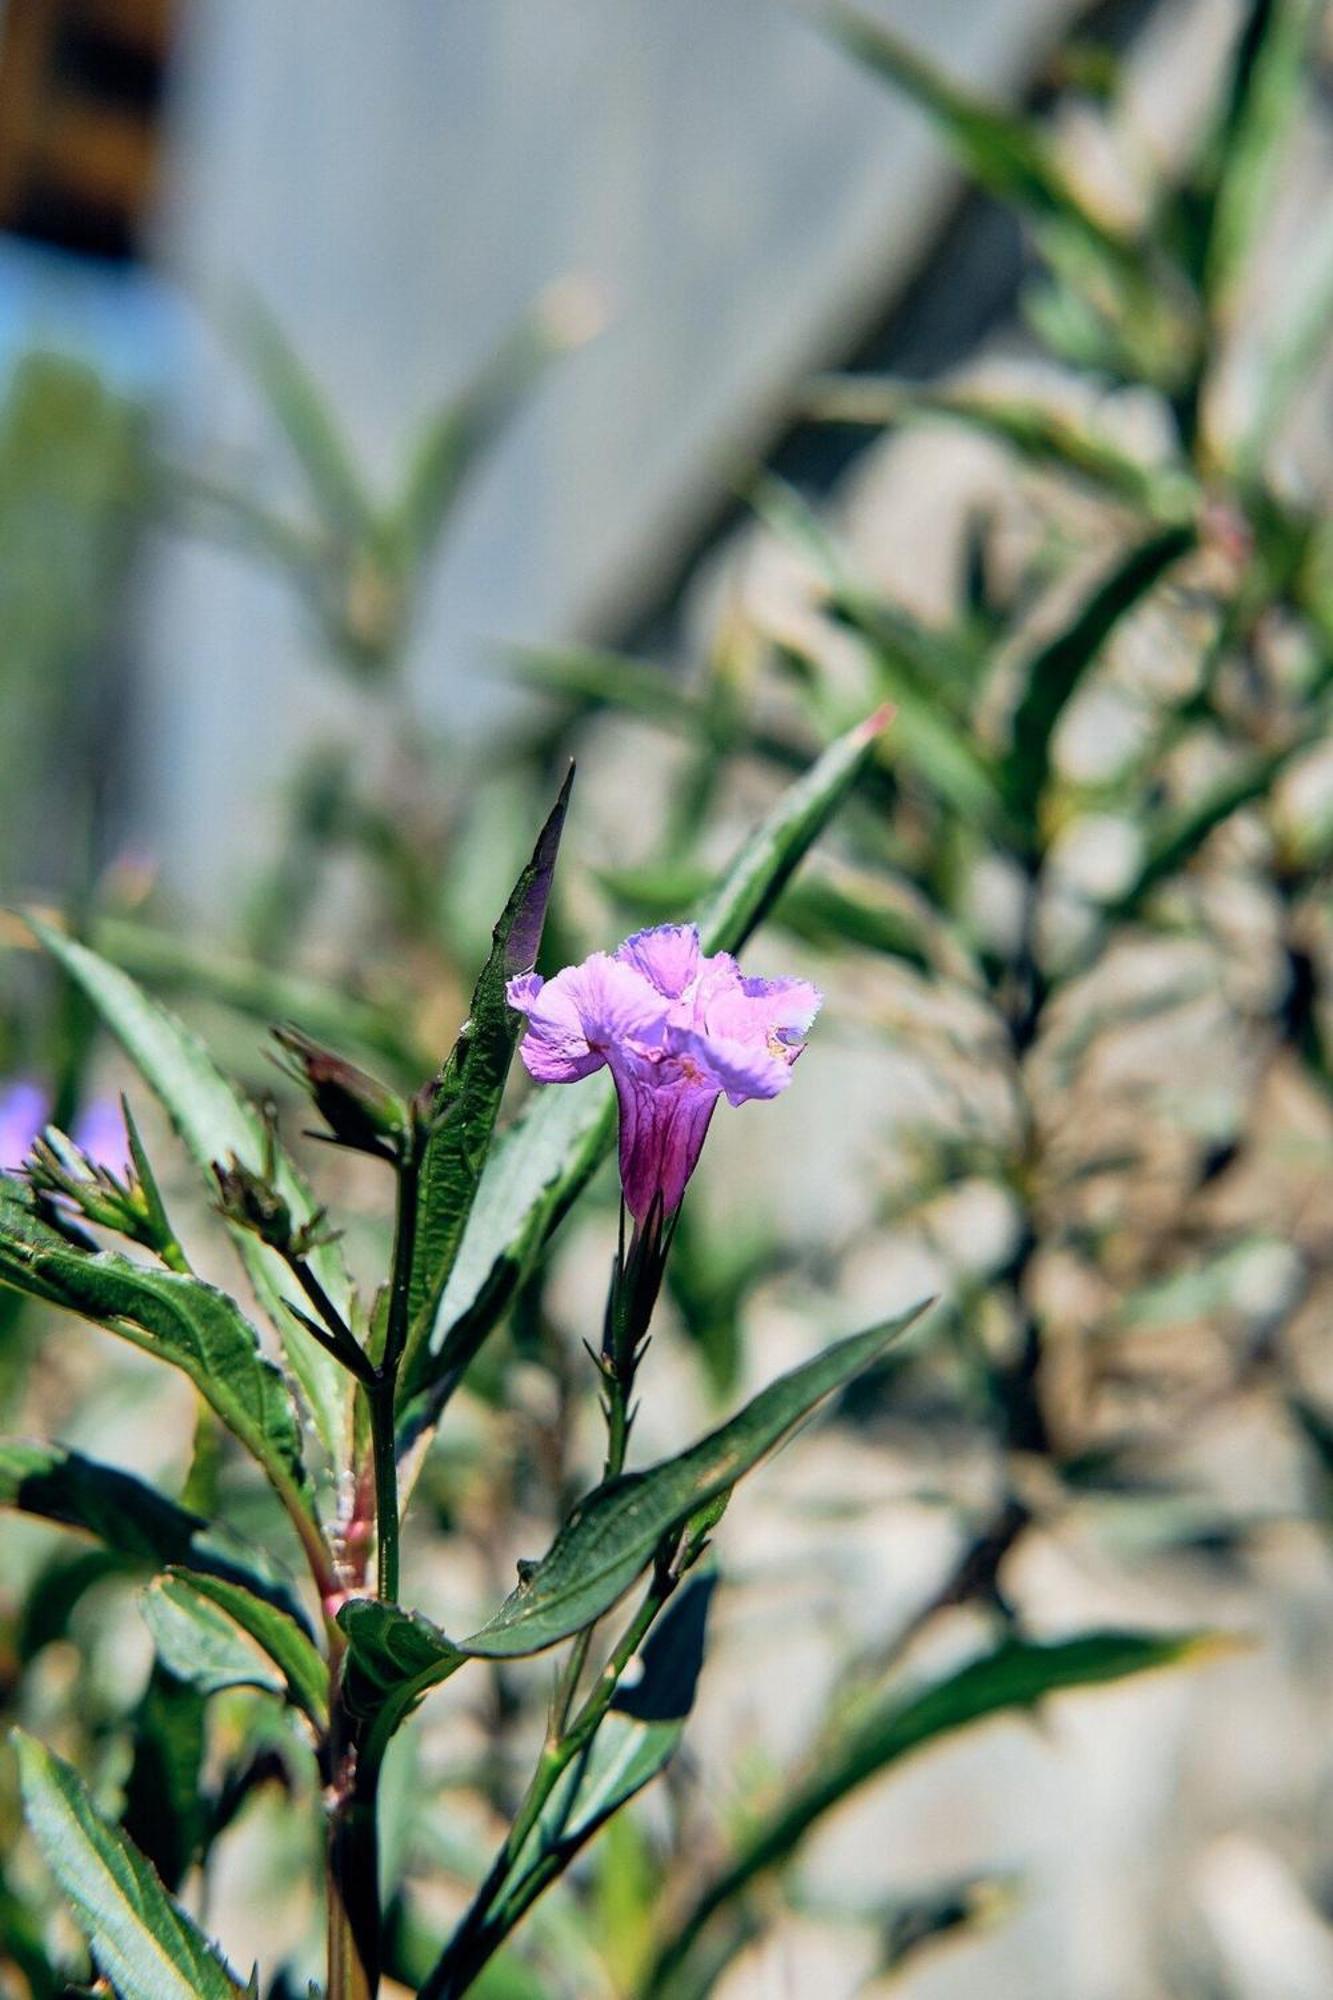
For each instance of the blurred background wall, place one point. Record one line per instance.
(397, 184)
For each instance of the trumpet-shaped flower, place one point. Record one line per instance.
(678, 1030)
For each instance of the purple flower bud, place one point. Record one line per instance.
(677, 1030)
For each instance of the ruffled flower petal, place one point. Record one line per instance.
(668, 957)
(577, 1019)
(678, 1031)
(742, 1069)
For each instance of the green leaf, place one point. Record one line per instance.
(394, 1658)
(1039, 433)
(633, 1744)
(1002, 152)
(308, 423)
(200, 1645)
(1019, 1674)
(774, 851)
(466, 1100)
(167, 961)
(468, 425)
(214, 1635)
(166, 1810)
(613, 1535)
(214, 1120)
(1269, 79)
(537, 1169)
(181, 1320)
(1054, 673)
(142, 1941)
(132, 1519)
(1175, 837)
(207, 1597)
(911, 667)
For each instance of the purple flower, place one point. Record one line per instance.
(25, 1107)
(678, 1031)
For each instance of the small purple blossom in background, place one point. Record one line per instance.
(678, 1030)
(25, 1107)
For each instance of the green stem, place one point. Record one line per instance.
(484, 1928)
(352, 1868)
(382, 1393)
(383, 1444)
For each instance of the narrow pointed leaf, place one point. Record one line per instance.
(303, 1672)
(1039, 433)
(130, 1517)
(181, 1320)
(466, 428)
(1055, 672)
(1018, 1675)
(167, 1808)
(633, 1744)
(469, 1089)
(143, 1941)
(1001, 151)
(201, 1645)
(538, 1168)
(1269, 80)
(308, 423)
(214, 1120)
(613, 1535)
(1176, 837)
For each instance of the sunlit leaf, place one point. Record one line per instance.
(1003, 152)
(1039, 433)
(1019, 1674)
(613, 1535)
(203, 1597)
(179, 1319)
(214, 1120)
(203, 1647)
(142, 1941)
(467, 1094)
(1053, 674)
(139, 1524)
